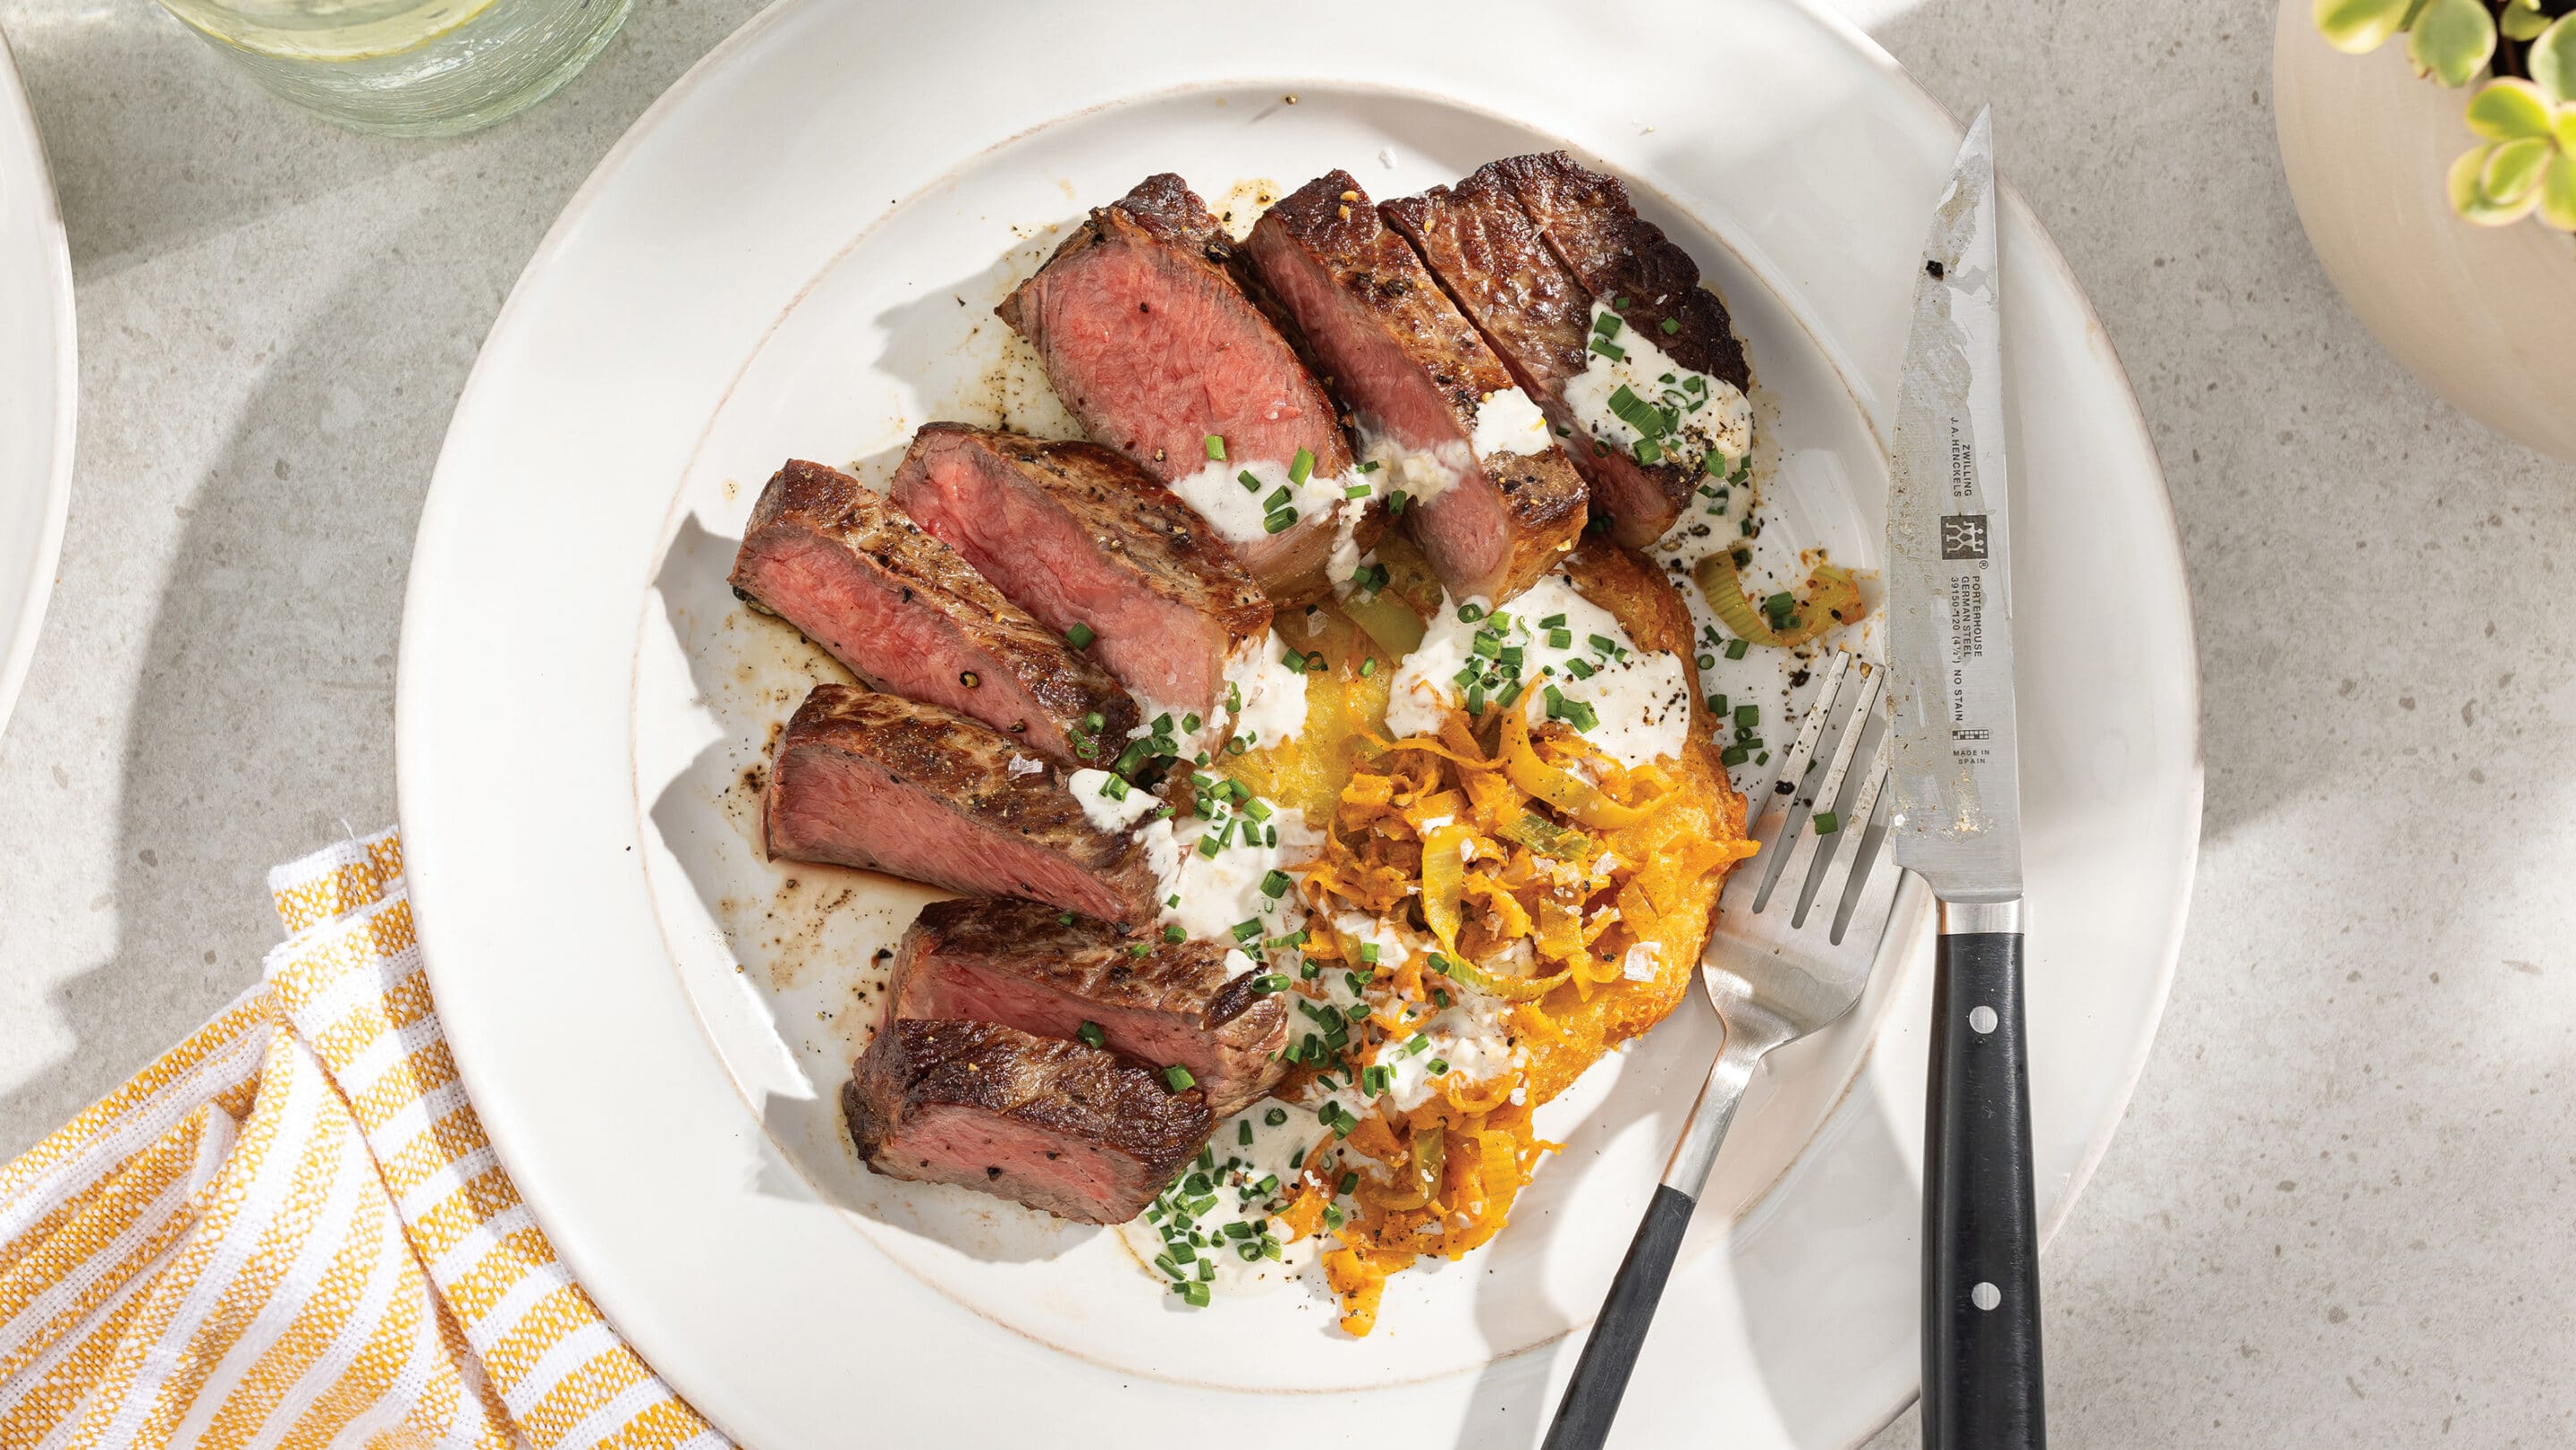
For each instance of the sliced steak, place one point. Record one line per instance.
(1490, 258)
(1155, 345)
(1415, 374)
(1022, 964)
(825, 553)
(1079, 534)
(888, 784)
(1080, 1133)
(1592, 227)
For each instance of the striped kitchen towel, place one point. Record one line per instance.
(290, 1231)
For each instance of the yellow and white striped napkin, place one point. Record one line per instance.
(290, 1231)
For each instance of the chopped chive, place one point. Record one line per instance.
(1368, 667)
(1196, 1294)
(1279, 498)
(1827, 823)
(1080, 637)
(1065, 918)
(1276, 1117)
(1270, 984)
(1179, 1077)
(1301, 467)
(1487, 646)
(1735, 649)
(1732, 755)
(1242, 1135)
(1671, 325)
(1275, 885)
(1648, 451)
(1139, 949)
(1419, 1044)
(1560, 639)
(1368, 951)
(1439, 1066)
(1091, 1034)
(1476, 699)
(1279, 522)
(1257, 808)
(1717, 704)
(1440, 995)
(1748, 714)
(1609, 349)
(1208, 847)
(1396, 501)
(1470, 612)
(1215, 448)
(1356, 490)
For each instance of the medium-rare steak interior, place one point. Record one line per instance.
(906, 613)
(1085, 540)
(1153, 343)
(1201, 1004)
(887, 784)
(1491, 501)
(1079, 1132)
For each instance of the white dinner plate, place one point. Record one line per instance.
(796, 253)
(39, 382)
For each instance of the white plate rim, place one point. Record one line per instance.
(2166, 563)
(25, 149)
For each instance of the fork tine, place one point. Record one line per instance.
(1773, 824)
(1868, 826)
(1828, 794)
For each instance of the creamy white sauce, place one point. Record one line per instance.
(1467, 1037)
(1509, 422)
(1273, 695)
(1234, 1176)
(1642, 697)
(1714, 416)
(1240, 514)
(1102, 803)
(1218, 892)
(1423, 474)
(1021, 765)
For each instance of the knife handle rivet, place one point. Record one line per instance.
(1985, 1296)
(1982, 1019)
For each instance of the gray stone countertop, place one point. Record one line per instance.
(2338, 1210)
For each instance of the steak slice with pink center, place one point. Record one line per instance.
(1156, 347)
(1075, 1131)
(887, 784)
(905, 612)
(1024, 965)
(1417, 376)
(1080, 535)
(1536, 313)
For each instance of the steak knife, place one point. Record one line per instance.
(1957, 824)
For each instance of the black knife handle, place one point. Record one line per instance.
(1601, 1376)
(1981, 1368)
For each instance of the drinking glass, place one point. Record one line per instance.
(408, 67)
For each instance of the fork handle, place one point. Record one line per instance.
(1600, 1380)
(1981, 1362)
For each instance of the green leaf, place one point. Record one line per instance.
(2451, 40)
(2513, 169)
(2357, 27)
(2509, 109)
(2552, 60)
(2558, 194)
(2472, 203)
(2521, 24)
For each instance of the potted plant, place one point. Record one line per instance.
(2430, 146)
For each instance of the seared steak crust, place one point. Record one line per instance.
(1413, 370)
(1594, 229)
(1153, 343)
(1080, 1133)
(900, 608)
(1023, 964)
(1479, 241)
(1076, 533)
(883, 783)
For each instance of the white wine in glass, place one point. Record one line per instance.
(408, 67)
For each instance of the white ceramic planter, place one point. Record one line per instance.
(2486, 316)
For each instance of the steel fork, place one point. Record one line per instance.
(1798, 928)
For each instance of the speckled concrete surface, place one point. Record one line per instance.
(2337, 1212)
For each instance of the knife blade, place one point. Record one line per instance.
(1950, 655)
(1957, 822)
